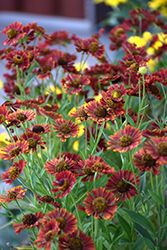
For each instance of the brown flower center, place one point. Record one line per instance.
(134, 67)
(82, 114)
(88, 171)
(65, 128)
(119, 42)
(94, 47)
(21, 117)
(46, 51)
(15, 151)
(64, 184)
(48, 198)
(45, 69)
(12, 195)
(11, 33)
(125, 140)
(136, 52)
(76, 244)
(62, 61)
(99, 204)
(38, 129)
(116, 93)
(32, 142)
(14, 172)
(123, 186)
(154, 90)
(148, 161)
(100, 112)
(29, 219)
(158, 52)
(18, 60)
(2, 117)
(62, 222)
(76, 82)
(62, 166)
(162, 148)
(31, 57)
(98, 166)
(48, 235)
(16, 90)
(112, 104)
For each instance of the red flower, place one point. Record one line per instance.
(18, 58)
(67, 221)
(101, 202)
(13, 172)
(76, 241)
(80, 114)
(144, 162)
(64, 183)
(97, 112)
(13, 150)
(22, 116)
(48, 199)
(125, 139)
(58, 165)
(28, 221)
(65, 129)
(46, 234)
(12, 194)
(92, 165)
(40, 128)
(119, 184)
(13, 32)
(74, 83)
(90, 45)
(3, 113)
(157, 148)
(33, 140)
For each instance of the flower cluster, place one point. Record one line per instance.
(89, 145)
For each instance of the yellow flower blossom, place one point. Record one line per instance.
(4, 140)
(112, 3)
(78, 66)
(161, 5)
(76, 146)
(1, 84)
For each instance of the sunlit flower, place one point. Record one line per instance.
(13, 150)
(33, 140)
(63, 184)
(74, 83)
(18, 58)
(28, 221)
(119, 184)
(13, 172)
(157, 148)
(46, 234)
(22, 115)
(13, 32)
(76, 241)
(67, 221)
(125, 139)
(12, 194)
(102, 202)
(65, 129)
(158, 4)
(144, 162)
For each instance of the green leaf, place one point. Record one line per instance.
(143, 182)
(149, 243)
(130, 120)
(144, 233)
(139, 244)
(140, 219)
(125, 225)
(156, 198)
(29, 80)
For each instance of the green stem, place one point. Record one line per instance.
(77, 213)
(19, 207)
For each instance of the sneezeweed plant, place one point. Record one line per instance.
(109, 191)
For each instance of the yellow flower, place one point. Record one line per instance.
(159, 4)
(76, 146)
(1, 83)
(51, 88)
(112, 3)
(79, 66)
(3, 140)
